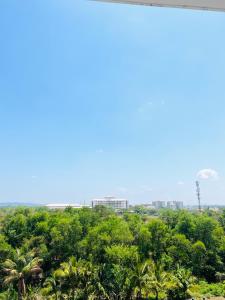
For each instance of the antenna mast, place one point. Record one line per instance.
(198, 192)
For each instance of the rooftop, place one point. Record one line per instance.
(64, 205)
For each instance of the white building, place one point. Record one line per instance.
(159, 204)
(64, 205)
(175, 205)
(112, 202)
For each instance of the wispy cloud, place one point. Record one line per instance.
(99, 151)
(145, 107)
(150, 106)
(208, 174)
(180, 182)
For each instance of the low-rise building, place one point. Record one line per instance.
(112, 202)
(64, 205)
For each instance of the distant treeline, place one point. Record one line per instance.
(97, 254)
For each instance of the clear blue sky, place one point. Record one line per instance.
(99, 99)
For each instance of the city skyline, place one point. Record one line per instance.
(100, 99)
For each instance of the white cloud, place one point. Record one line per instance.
(33, 176)
(208, 174)
(99, 151)
(180, 182)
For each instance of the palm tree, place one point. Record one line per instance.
(33, 294)
(158, 281)
(97, 292)
(17, 271)
(184, 281)
(50, 287)
(80, 279)
(10, 294)
(140, 278)
(68, 276)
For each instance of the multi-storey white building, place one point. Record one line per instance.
(175, 205)
(111, 202)
(159, 204)
(168, 204)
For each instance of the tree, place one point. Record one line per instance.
(180, 250)
(198, 258)
(65, 235)
(15, 229)
(52, 287)
(6, 250)
(170, 217)
(78, 278)
(183, 281)
(111, 231)
(139, 279)
(95, 254)
(222, 219)
(159, 281)
(18, 271)
(206, 231)
(121, 264)
(158, 239)
(186, 225)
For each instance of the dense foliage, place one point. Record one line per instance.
(96, 254)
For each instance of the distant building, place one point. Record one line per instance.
(148, 206)
(63, 206)
(111, 202)
(175, 205)
(159, 204)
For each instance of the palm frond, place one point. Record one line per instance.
(10, 279)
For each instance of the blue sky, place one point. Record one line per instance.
(99, 99)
